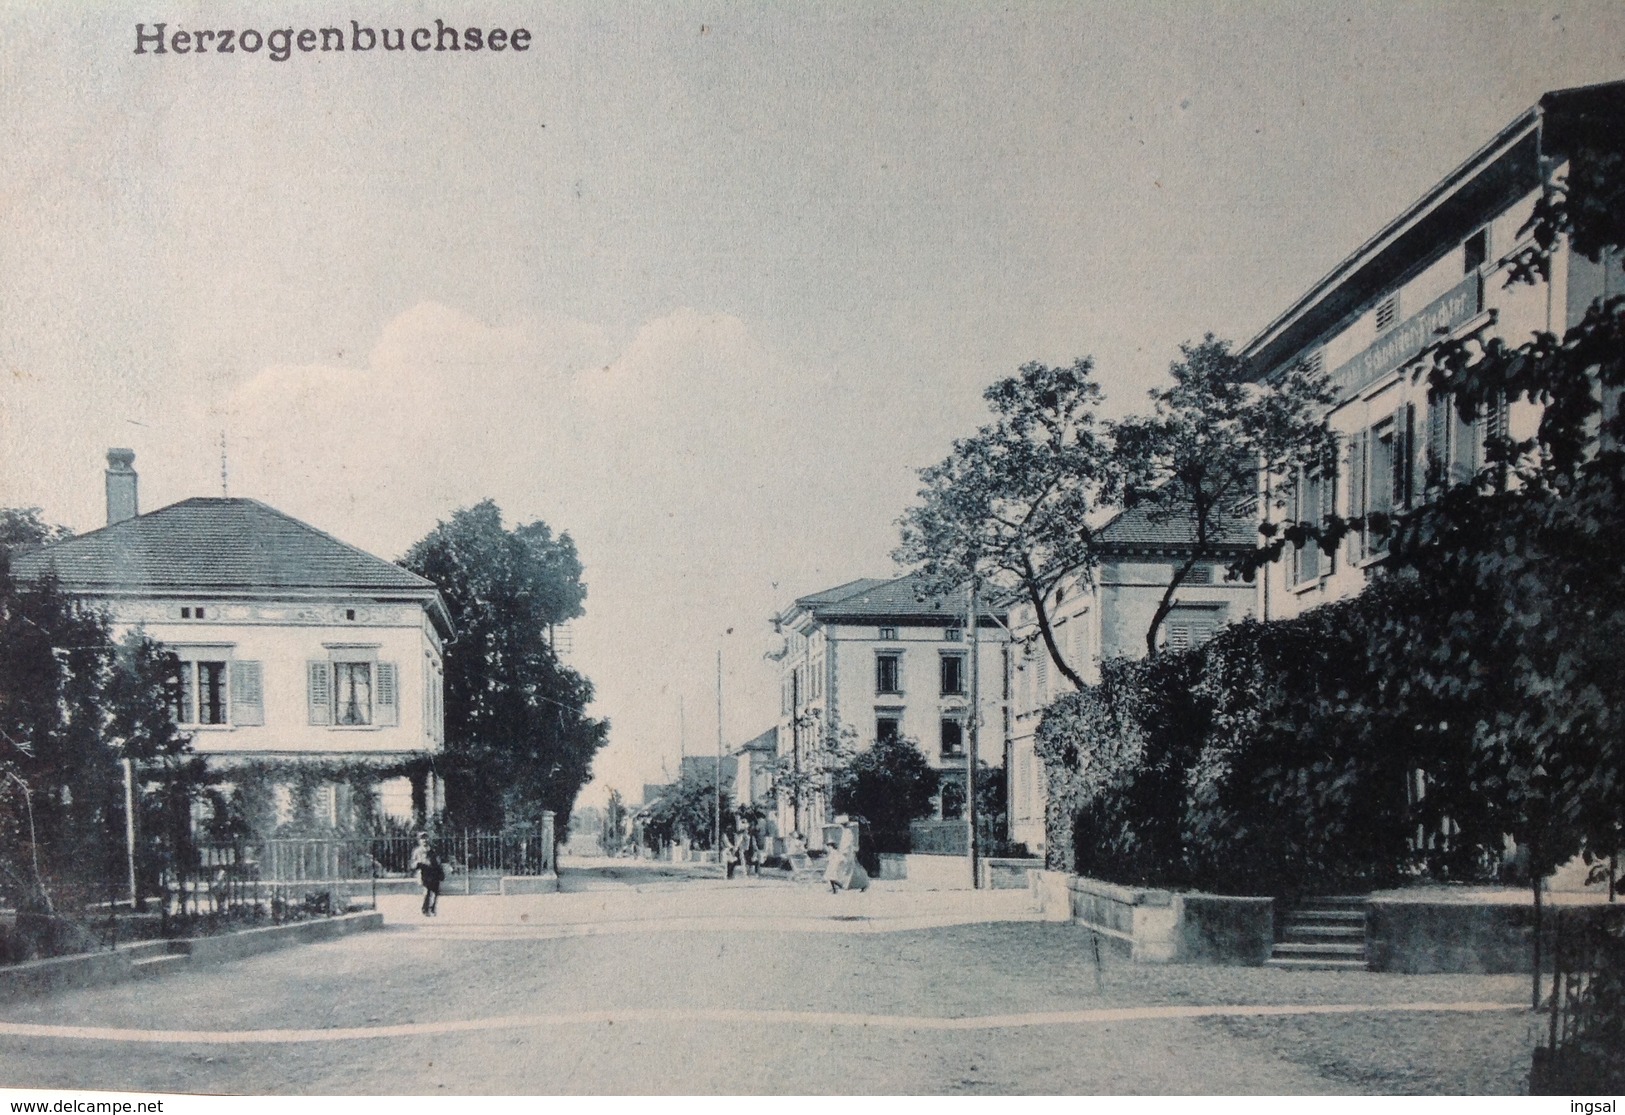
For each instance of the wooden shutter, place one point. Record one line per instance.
(1408, 431)
(1179, 635)
(247, 693)
(1402, 452)
(1438, 452)
(320, 690)
(1359, 450)
(1496, 422)
(1328, 508)
(389, 705)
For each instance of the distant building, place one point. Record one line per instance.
(871, 657)
(294, 646)
(757, 761)
(1108, 617)
(1437, 269)
(703, 768)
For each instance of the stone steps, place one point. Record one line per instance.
(1323, 933)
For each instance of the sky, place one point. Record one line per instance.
(701, 284)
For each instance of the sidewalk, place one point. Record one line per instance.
(708, 905)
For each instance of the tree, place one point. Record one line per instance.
(688, 808)
(808, 778)
(889, 785)
(72, 703)
(1009, 507)
(518, 739)
(1195, 459)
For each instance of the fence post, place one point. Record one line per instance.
(468, 866)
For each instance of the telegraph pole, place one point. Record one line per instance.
(975, 726)
(716, 820)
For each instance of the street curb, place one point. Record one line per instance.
(150, 958)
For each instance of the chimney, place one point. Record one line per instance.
(121, 499)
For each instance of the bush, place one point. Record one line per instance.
(889, 785)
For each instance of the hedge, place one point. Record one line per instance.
(1261, 763)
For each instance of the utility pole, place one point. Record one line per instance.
(716, 820)
(129, 831)
(975, 729)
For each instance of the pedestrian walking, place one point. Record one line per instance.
(844, 872)
(730, 853)
(431, 873)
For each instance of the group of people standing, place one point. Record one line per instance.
(741, 848)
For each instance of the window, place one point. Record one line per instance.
(1475, 251)
(953, 801)
(887, 675)
(888, 726)
(351, 690)
(1309, 497)
(1314, 363)
(953, 738)
(352, 694)
(201, 696)
(953, 635)
(195, 612)
(1455, 445)
(953, 674)
(888, 634)
(217, 692)
(1384, 455)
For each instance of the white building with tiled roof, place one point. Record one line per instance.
(295, 647)
(1107, 615)
(1440, 268)
(871, 657)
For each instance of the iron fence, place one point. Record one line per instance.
(1586, 1027)
(289, 877)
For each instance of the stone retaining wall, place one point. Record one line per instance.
(1155, 926)
(41, 977)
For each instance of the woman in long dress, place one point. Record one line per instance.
(844, 871)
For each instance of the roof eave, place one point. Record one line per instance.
(1392, 252)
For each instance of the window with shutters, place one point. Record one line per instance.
(353, 690)
(953, 674)
(1454, 445)
(216, 691)
(952, 737)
